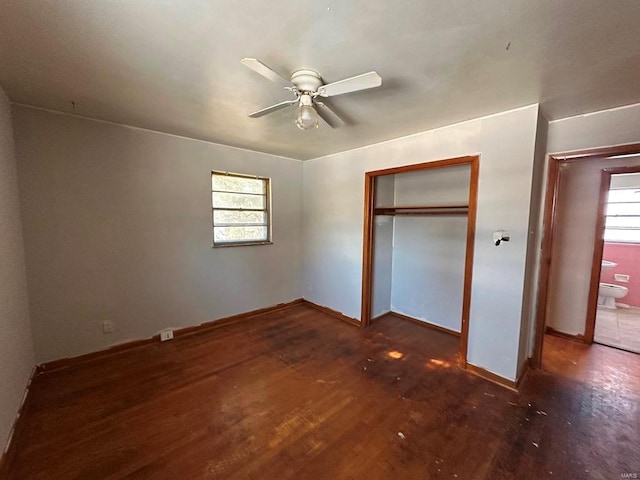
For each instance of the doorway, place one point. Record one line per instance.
(378, 204)
(614, 317)
(572, 249)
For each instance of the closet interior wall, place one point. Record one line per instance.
(383, 248)
(419, 256)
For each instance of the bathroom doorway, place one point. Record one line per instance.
(614, 318)
(574, 219)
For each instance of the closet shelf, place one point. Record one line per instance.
(423, 210)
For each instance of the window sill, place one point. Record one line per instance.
(240, 244)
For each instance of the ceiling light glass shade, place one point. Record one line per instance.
(306, 117)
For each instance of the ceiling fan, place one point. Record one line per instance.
(308, 88)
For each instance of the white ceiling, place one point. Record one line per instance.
(174, 66)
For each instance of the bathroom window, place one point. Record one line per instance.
(623, 216)
(241, 206)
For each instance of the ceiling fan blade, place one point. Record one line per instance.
(260, 68)
(328, 115)
(353, 84)
(273, 108)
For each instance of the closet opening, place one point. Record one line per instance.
(419, 232)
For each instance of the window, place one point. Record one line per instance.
(241, 209)
(623, 216)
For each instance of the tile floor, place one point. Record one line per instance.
(619, 328)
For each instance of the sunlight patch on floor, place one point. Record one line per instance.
(395, 354)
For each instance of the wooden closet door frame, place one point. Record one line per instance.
(368, 240)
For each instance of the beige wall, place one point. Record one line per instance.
(333, 196)
(117, 225)
(16, 347)
(529, 304)
(617, 126)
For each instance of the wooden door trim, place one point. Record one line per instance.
(369, 240)
(424, 165)
(468, 261)
(550, 225)
(596, 262)
(367, 249)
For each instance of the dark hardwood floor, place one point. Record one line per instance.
(297, 394)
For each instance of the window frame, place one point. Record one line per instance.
(634, 241)
(266, 210)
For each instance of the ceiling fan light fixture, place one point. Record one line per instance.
(307, 86)
(306, 116)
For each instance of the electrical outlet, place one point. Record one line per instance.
(166, 335)
(108, 326)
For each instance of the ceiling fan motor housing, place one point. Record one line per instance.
(306, 80)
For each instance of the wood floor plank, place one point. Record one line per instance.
(297, 394)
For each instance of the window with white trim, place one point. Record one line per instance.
(623, 216)
(241, 206)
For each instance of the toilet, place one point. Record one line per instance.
(608, 293)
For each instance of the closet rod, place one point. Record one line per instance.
(424, 210)
(421, 214)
